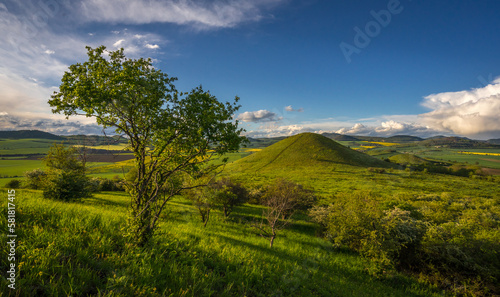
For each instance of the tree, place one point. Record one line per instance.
(65, 177)
(228, 194)
(223, 194)
(172, 135)
(283, 199)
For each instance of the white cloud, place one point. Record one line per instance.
(152, 46)
(473, 113)
(49, 52)
(201, 14)
(290, 108)
(118, 43)
(258, 116)
(277, 131)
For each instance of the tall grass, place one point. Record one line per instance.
(77, 249)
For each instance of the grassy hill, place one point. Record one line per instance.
(408, 159)
(305, 150)
(456, 142)
(22, 134)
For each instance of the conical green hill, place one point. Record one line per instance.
(306, 149)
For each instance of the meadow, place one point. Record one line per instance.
(77, 248)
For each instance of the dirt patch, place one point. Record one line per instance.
(491, 160)
(491, 171)
(108, 158)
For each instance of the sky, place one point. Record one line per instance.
(358, 67)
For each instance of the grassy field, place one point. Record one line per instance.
(76, 249)
(25, 146)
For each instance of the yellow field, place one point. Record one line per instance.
(481, 154)
(383, 143)
(253, 150)
(114, 147)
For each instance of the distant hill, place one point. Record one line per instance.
(494, 141)
(403, 138)
(456, 142)
(306, 149)
(22, 134)
(340, 137)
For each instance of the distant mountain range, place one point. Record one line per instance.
(443, 141)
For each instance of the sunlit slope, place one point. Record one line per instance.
(304, 150)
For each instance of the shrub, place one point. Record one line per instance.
(65, 179)
(66, 186)
(227, 194)
(35, 178)
(390, 238)
(13, 184)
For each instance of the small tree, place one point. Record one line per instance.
(65, 178)
(228, 194)
(282, 199)
(171, 136)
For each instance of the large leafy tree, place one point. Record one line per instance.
(172, 134)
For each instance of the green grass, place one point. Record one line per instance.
(76, 249)
(17, 167)
(25, 146)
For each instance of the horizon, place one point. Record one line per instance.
(350, 135)
(366, 68)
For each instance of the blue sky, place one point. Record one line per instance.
(358, 67)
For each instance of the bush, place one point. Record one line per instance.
(390, 238)
(66, 186)
(65, 179)
(13, 184)
(35, 178)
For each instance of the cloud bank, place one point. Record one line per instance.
(472, 113)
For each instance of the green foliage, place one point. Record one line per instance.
(65, 176)
(227, 194)
(35, 178)
(169, 135)
(13, 184)
(282, 199)
(99, 184)
(77, 249)
(442, 238)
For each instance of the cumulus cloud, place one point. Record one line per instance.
(277, 131)
(200, 14)
(473, 113)
(258, 116)
(152, 46)
(290, 108)
(390, 128)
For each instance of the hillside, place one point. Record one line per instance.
(304, 150)
(408, 159)
(456, 142)
(22, 134)
(403, 138)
